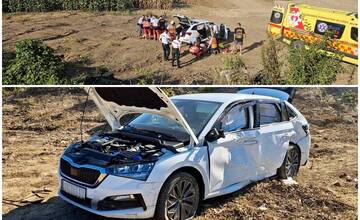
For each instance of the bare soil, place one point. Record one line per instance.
(39, 123)
(90, 41)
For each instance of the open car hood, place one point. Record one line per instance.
(183, 19)
(114, 103)
(281, 93)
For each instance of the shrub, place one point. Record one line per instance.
(35, 64)
(271, 73)
(309, 65)
(233, 72)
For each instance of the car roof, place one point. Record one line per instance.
(225, 98)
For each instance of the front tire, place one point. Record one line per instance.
(291, 164)
(179, 198)
(298, 44)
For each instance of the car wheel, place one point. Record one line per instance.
(291, 164)
(178, 198)
(298, 44)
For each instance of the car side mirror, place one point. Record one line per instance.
(214, 134)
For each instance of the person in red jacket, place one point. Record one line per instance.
(147, 26)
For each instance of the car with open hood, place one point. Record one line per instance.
(191, 30)
(163, 156)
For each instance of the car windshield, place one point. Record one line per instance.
(196, 113)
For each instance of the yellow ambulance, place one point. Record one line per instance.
(299, 24)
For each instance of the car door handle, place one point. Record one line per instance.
(250, 142)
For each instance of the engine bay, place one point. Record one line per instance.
(109, 149)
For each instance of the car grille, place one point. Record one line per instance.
(85, 175)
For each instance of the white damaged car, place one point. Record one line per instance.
(163, 156)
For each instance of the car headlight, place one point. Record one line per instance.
(134, 171)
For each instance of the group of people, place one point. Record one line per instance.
(152, 26)
(157, 28)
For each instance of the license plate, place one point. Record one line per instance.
(73, 190)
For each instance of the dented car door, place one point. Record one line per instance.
(234, 158)
(276, 132)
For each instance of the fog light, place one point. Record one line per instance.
(120, 202)
(123, 198)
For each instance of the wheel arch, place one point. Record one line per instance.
(297, 147)
(195, 173)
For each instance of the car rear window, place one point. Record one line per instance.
(323, 27)
(276, 17)
(269, 113)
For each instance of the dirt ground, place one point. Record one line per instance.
(39, 123)
(89, 41)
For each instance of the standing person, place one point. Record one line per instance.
(155, 27)
(165, 41)
(239, 36)
(172, 30)
(140, 25)
(213, 45)
(162, 24)
(146, 26)
(176, 46)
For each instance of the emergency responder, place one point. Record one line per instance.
(239, 36)
(213, 44)
(146, 26)
(165, 41)
(155, 28)
(172, 30)
(175, 51)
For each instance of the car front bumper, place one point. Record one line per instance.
(116, 186)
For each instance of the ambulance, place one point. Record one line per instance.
(301, 24)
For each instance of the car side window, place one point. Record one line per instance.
(236, 119)
(336, 30)
(269, 113)
(276, 17)
(291, 113)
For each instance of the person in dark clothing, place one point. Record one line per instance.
(176, 45)
(239, 36)
(162, 24)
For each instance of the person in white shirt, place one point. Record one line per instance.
(176, 46)
(165, 41)
(140, 25)
(155, 27)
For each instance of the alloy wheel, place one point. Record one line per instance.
(292, 162)
(181, 202)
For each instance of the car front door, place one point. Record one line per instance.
(275, 134)
(233, 157)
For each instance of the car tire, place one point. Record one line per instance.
(181, 207)
(298, 44)
(290, 166)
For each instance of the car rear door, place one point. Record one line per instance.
(275, 134)
(233, 159)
